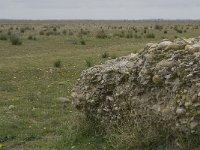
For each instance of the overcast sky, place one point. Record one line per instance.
(100, 9)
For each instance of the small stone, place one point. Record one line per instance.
(63, 99)
(185, 91)
(11, 107)
(109, 98)
(194, 98)
(193, 125)
(156, 79)
(164, 44)
(180, 111)
(199, 94)
(62, 83)
(187, 104)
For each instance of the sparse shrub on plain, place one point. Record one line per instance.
(129, 35)
(64, 32)
(158, 27)
(150, 35)
(83, 42)
(41, 33)
(57, 64)
(9, 33)
(113, 56)
(88, 62)
(70, 33)
(120, 34)
(22, 30)
(101, 35)
(105, 55)
(177, 29)
(137, 36)
(15, 40)
(54, 29)
(3, 37)
(165, 31)
(31, 37)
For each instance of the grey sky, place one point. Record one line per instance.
(99, 9)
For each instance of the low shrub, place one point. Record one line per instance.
(150, 35)
(3, 37)
(57, 64)
(15, 40)
(101, 35)
(83, 42)
(105, 55)
(88, 62)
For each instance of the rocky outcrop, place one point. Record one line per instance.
(160, 85)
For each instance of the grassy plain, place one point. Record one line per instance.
(31, 116)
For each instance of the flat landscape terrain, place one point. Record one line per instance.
(39, 64)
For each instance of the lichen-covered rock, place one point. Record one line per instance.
(160, 85)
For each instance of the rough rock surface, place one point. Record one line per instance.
(160, 85)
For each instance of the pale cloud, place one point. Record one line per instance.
(99, 9)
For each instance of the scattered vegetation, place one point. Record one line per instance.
(88, 62)
(105, 55)
(150, 35)
(30, 86)
(3, 37)
(57, 64)
(83, 42)
(101, 35)
(15, 40)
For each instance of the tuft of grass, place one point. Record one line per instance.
(83, 42)
(15, 40)
(113, 56)
(150, 35)
(88, 62)
(57, 64)
(105, 55)
(30, 37)
(101, 35)
(3, 37)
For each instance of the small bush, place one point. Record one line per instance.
(120, 34)
(129, 35)
(137, 36)
(70, 33)
(9, 32)
(88, 62)
(101, 35)
(41, 33)
(158, 27)
(57, 64)
(3, 37)
(15, 40)
(150, 35)
(83, 42)
(54, 29)
(30, 37)
(64, 32)
(105, 55)
(113, 56)
(22, 30)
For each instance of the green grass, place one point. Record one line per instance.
(30, 82)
